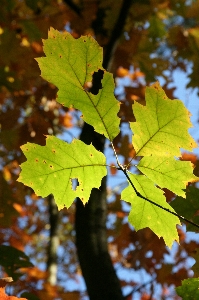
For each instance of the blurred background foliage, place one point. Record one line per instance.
(159, 38)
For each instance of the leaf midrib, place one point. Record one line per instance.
(69, 168)
(159, 129)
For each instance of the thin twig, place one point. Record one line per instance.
(73, 6)
(117, 159)
(138, 288)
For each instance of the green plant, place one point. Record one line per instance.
(160, 130)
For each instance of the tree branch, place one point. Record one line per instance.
(117, 32)
(73, 6)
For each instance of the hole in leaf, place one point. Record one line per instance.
(96, 82)
(75, 183)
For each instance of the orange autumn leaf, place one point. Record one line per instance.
(146, 296)
(66, 120)
(48, 292)
(6, 173)
(3, 296)
(121, 214)
(19, 208)
(136, 75)
(189, 157)
(134, 97)
(37, 47)
(113, 169)
(36, 273)
(34, 196)
(122, 72)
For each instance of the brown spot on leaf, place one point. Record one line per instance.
(44, 161)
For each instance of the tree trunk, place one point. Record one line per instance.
(53, 241)
(91, 239)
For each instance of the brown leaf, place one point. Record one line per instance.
(113, 169)
(189, 157)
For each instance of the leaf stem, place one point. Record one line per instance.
(124, 170)
(117, 159)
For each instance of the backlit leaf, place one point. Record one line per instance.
(56, 167)
(144, 214)
(168, 172)
(70, 64)
(161, 127)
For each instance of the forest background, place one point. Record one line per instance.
(143, 41)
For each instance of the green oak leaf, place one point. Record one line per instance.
(50, 169)
(145, 214)
(161, 127)
(189, 290)
(188, 207)
(168, 172)
(69, 64)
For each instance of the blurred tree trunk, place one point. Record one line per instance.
(53, 241)
(91, 239)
